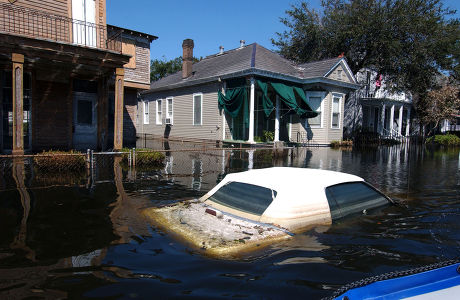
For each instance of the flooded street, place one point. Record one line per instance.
(74, 237)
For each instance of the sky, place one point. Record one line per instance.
(210, 23)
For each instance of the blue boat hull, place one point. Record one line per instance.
(440, 283)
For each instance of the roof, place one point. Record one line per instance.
(288, 178)
(133, 32)
(252, 59)
(300, 194)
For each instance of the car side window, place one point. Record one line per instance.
(353, 197)
(244, 197)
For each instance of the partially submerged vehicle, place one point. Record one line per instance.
(250, 209)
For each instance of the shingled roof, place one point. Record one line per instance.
(252, 59)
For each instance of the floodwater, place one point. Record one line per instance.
(66, 237)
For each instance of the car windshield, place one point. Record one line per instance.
(353, 197)
(244, 197)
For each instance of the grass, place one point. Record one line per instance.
(444, 140)
(145, 158)
(345, 143)
(60, 161)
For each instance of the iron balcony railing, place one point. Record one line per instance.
(41, 25)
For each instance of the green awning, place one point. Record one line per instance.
(287, 95)
(266, 102)
(232, 102)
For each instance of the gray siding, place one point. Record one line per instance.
(345, 76)
(326, 134)
(183, 127)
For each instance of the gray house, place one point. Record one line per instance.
(240, 94)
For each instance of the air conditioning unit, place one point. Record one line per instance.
(168, 121)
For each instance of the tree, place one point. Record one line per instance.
(162, 68)
(439, 104)
(409, 41)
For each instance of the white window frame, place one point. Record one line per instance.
(201, 104)
(167, 109)
(340, 96)
(339, 74)
(322, 95)
(146, 112)
(159, 112)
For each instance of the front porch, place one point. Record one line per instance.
(265, 113)
(388, 118)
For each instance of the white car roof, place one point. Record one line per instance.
(282, 178)
(300, 198)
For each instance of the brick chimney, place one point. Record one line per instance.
(187, 57)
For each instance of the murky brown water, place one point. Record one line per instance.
(73, 238)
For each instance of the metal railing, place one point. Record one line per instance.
(41, 25)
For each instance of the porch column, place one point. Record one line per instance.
(118, 119)
(382, 119)
(400, 120)
(408, 122)
(251, 112)
(392, 118)
(277, 119)
(224, 87)
(18, 103)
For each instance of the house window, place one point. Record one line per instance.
(169, 111)
(197, 109)
(159, 112)
(339, 74)
(146, 112)
(316, 101)
(335, 119)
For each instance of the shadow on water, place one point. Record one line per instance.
(87, 238)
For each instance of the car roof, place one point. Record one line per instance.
(288, 178)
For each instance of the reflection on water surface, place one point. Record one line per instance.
(76, 238)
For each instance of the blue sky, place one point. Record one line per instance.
(210, 23)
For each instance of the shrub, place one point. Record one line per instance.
(444, 140)
(145, 158)
(258, 139)
(345, 143)
(268, 136)
(60, 161)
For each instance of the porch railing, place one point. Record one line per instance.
(39, 24)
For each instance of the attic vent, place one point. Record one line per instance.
(242, 42)
(221, 50)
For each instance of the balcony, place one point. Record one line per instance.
(37, 24)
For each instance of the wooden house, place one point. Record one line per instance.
(245, 93)
(60, 63)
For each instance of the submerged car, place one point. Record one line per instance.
(251, 209)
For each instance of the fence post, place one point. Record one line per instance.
(129, 158)
(92, 168)
(88, 160)
(134, 157)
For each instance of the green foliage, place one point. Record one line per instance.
(344, 143)
(60, 161)
(162, 68)
(145, 158)
(268, 136)
(258, 139)
(408, 41)
(444, 140)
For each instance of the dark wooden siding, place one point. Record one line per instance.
(51, 123)
(55, 7)
(140, 74)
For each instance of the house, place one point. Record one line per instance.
(243, 93)
(137, 78)
(59, 64)
(375, 108)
